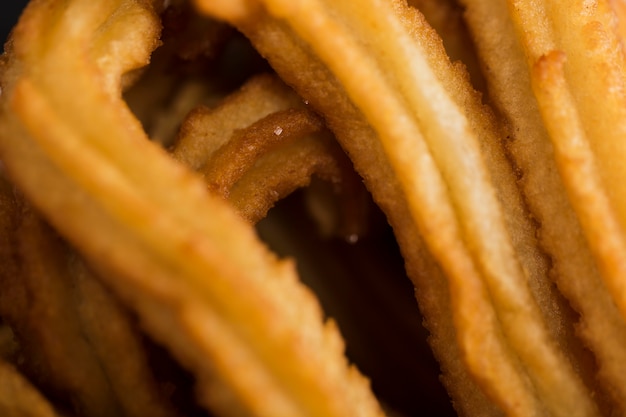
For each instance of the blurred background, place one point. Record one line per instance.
(9, 14)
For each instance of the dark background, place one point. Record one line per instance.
(9, 14)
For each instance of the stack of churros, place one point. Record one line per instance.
(143, 141)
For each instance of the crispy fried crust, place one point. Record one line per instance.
(170, 231)
(428, 144)
(226, 307)
(574, 268)
(270, 158)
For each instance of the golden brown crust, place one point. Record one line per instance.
(574, 268)
(427, 176)
(167, 224)
(187, 288)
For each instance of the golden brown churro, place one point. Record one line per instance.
(143, 140)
